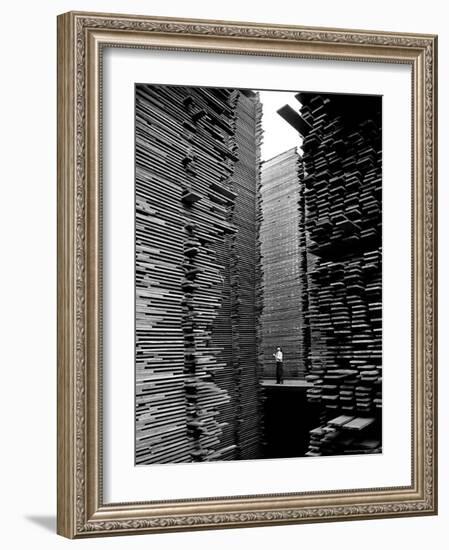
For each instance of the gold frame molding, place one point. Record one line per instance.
(81, 37)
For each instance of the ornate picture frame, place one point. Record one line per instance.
(82, 38)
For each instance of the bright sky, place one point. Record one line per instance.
(278, 135)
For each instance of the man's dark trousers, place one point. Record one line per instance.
(279, 373)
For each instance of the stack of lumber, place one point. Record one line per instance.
(235, 328)
(284, 283)
(343, 192)
(195, 299)
(246, 180)
(345, 435)
(161, 430)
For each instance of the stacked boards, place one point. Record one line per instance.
(345, 435)
(195, 298)
(245, 258)
(283, 264)
(235, 327)
(343, 197)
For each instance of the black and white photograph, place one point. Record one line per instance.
(258, 274)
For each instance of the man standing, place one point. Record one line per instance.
(279, 357)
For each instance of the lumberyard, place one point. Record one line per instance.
(237, 256)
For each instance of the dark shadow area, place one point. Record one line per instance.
(288, 418)
(46, 522)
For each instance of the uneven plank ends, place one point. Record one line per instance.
(342, 159)
(197, 175)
